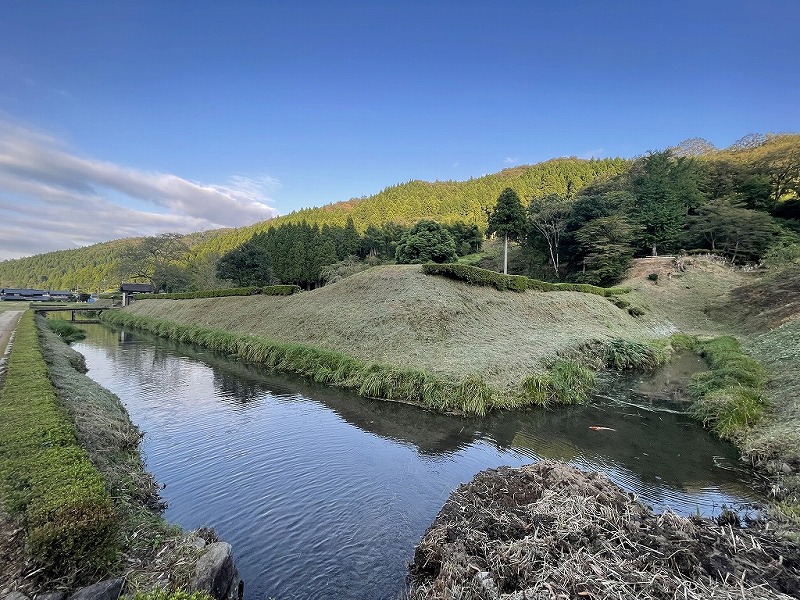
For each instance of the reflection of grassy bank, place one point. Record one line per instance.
(472, 395)
(563, 381)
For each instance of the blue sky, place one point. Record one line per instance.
(135, 118)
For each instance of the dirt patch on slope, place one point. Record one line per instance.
(768, 302)
(688, 297)
(550, 531)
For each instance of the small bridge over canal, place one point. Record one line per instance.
(77, 315)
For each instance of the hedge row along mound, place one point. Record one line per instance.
(516, 283)
(47, 481)
(270, 290)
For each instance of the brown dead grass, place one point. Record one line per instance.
(549, 531)
(399, 316)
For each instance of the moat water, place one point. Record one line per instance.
(324, 494)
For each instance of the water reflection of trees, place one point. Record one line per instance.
(661, 449)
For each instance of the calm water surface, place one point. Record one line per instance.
(324, 495)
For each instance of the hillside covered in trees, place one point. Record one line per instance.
(581, 220)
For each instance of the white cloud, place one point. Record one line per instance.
(510, 161)
(596, 153)
(52, 199)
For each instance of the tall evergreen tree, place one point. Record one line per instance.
(665, 189)
(507, 219)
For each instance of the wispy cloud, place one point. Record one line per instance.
(596, 153)
(510, 160)
(52, 199)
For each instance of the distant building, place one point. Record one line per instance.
(129, 291)
(24, 295)
(62, 296)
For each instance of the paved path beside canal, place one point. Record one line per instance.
(8, 324)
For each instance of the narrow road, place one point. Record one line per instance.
(8, 324)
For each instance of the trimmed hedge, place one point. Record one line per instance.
(517, 283)
(270, 290)
(46, 478)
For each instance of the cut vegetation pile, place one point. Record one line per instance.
(398, 316)
(551, 531)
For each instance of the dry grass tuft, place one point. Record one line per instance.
(549, 531)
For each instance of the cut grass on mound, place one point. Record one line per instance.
(517, 283)
(472, 396)
(397, 315)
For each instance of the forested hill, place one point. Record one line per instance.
(443, 201)
(94, 267)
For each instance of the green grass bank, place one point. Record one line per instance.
(48, 485)
(72, 479)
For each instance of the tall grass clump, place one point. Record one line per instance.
(566, 382)
(728, 396)
(622, 354)
(47, 481)
(473, 396)
(66, 330)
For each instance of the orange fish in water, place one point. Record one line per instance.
(599, 428)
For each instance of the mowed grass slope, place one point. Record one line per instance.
(397, 315)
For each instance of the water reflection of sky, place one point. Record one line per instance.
(324, 494)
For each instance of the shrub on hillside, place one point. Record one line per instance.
(426, 242)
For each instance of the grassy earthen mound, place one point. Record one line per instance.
(550, 531)
(397, 315)
(769, 301)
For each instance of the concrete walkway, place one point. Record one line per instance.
(8, 324)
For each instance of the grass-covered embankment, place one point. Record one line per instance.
(751, 324)
(471, 396)
(517, 283)
(73, 478)
(396, 315)
(563, 381)
(394, 333)
(47, 482)
(152, 553)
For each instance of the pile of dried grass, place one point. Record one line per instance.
(549, 531)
